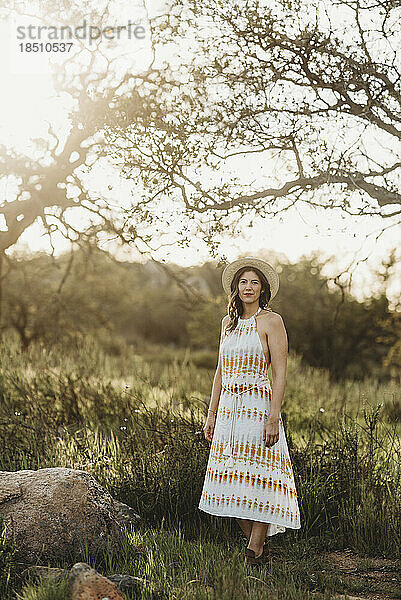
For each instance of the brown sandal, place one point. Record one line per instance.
(250, 554)
(251, 559)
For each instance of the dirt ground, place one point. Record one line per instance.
(381, 577)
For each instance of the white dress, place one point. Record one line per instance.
(244, 478)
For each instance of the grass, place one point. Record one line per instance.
(135, 422)
(172, 565)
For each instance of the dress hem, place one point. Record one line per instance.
(279, 524)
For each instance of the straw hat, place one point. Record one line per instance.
(249, 261)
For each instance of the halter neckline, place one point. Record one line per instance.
(251, 317)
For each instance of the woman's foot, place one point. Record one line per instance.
(252, 558)
(257, 558)
(258, 552)
(259, 555)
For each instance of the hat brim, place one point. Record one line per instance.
(249, 261)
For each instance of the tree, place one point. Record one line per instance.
(318, 89)
(56, 179)
(51, 189)
(40, 306)
(391, 326)
(338, 333)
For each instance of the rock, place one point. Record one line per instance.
(51, 512)
(123, 582)
(127, 582)
(126, 514)
(86, 584)
(347, 597)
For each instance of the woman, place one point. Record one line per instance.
(249, 474)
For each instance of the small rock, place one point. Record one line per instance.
(348, 597)
(87, 584)
(127, 582)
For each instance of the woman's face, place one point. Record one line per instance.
(249, 287)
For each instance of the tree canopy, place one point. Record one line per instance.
(315, 89)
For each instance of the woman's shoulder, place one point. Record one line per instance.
(267, 311)
(270, 316)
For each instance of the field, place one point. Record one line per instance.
(134, 421)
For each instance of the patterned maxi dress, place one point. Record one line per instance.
(244, 478)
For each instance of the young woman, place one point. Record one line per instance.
(249, 474)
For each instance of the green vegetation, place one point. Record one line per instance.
(136, 425)
(138, 304)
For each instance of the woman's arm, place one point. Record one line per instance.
(278, 346)
(216, 388)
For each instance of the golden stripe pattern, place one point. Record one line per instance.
(253, 504)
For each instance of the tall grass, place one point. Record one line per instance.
(136, 425)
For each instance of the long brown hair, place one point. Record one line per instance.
(235, 306)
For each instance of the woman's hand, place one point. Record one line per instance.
(208, 428)
(271, 431)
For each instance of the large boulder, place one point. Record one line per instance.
(53, 512)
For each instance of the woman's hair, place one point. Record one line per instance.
(235, 307)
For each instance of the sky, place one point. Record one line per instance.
(28, 104)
